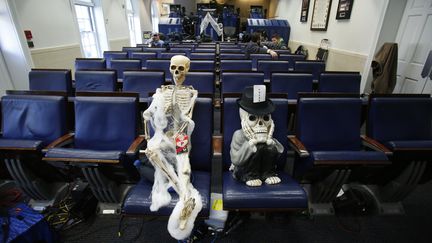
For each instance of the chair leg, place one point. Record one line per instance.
(104, 190)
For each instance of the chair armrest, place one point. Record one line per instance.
(136, 145)
(298, 146)
(60, 142)
(375, 145)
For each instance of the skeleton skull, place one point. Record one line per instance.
(179, 67)
(256, 127)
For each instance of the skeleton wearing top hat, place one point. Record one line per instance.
(254, 151)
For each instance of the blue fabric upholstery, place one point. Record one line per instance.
(130, 50)
(206, 50)
(257, 56)
(120, 65)
(329, 124)
(109, 55)
(20, 143)
(84, 154)
(344, 82)
(144, 56)
(98, 119)
(287, 194)
(229, 50)
(90, 63)
(290, 58)
(235, 82)
(400, 119)
(160, 64)
(201, 81)
(236, 65)
(269, 66)
(142, 82)
(51, 79)
(410, 144)
(202, 65)
(185, 50)
(158, 50)
(202, 55)
(101, 80)
(232, 56)
(314, 67)
(168, 55)
(138, 200)
(33, 117)
(291, 83)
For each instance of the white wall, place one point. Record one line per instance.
(145, 15)
(115, 19)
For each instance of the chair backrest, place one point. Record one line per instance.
(235, 82)
(201, 81)
(202, 55)
(160, 64)
(258, 56)
(269, 66)
(109, 55)
(144, 56)
(90, 63)
(202, 65)
(168, 55)
(314, 67)
(344, 82)
(105, 123)
(398, 117)
(185, 50)
(291, 83)
(232, 56)
(202, 146)
(96, 80)
(231, 123)
(142, 82)
(207, 50)
(51, 79)
(34, 117)
(130, 50)
(291, 58)
(120, 65)
(158, 50)
(329, 123)
(235, 65)
(229, 50)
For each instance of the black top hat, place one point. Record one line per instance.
(246, 102)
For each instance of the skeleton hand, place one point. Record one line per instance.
(270, 141)
(252, 144)
(248, 132)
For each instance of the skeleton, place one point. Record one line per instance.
(168, 150)
(256, 134)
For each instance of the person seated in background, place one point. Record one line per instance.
(156, 41)
(254, 47)
(276, 43)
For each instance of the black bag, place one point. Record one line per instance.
(302, 51)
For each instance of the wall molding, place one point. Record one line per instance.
(54, 48)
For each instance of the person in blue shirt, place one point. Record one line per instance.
(156, 41)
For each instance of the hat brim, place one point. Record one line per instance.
(260, 109)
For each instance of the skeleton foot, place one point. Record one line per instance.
(272, 180)
(256, 182)
(186, 212)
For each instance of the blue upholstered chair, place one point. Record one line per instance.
(328, 146)
(202, 55)
(206, 50)
(138, 200)
(90, 63)
(232, 56)
(237, 195)
(158, 50)
(201, 81)
(96, 80)
(229, 50)
(105, 143)
(291, 59)
(202, 65)
(130, 50)
(343, 82)
(168, 55)
(110, 55)
(51, 80)
(403, 125)
(235, 65)
(314, 67)
(143, 82)
(120, 65)
(160, 64)
(291, 83)
(235, 82)
(29, 123)
(269, 66)
(185, 50)
(258, 56)
(144, 56)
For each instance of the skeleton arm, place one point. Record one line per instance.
(240, 150)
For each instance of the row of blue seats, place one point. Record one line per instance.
(327, 142)
(147, 81)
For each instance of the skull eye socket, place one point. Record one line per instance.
(252, 118)
(173, 67)
(181, 68)
(266, 117)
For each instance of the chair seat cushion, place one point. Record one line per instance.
(84, 154)
(138, 200)
(347, 157)
(21, 143)
(414, 144)
(286, 195)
